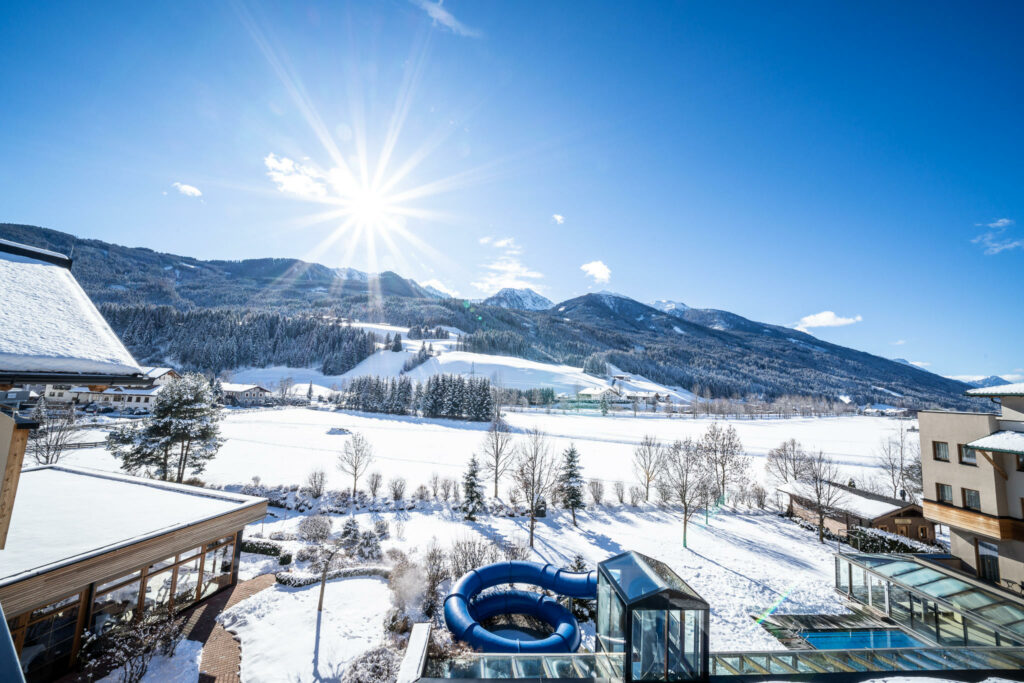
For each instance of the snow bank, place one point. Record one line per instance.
(181, 667)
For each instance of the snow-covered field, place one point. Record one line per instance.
(282, 446)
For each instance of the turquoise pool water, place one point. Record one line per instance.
(860, 639)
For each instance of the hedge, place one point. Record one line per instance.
(297, 579)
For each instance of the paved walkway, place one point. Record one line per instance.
(221, 652)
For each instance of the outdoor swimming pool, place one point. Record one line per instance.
(860, 639)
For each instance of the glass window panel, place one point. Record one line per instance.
(975, 599)
(899, 603)
(859, 585)
(988, 561)
(102, 587)
(48, 610)
(979, 635)
(897, 568)
(190, 553)
(158, 589)
(944, 587)
(187, 585)
(920, 576)
(648, 645)
(115, 606)
(951, 627)
(633, 576)
(160, 565)
(1001, 614)
(48, 641)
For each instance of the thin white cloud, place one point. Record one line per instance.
(995, 240)
(187, 190)
(295, 178)
(558, 218)
(825, 319)
(445, 18)
(597, 270)
(507, 270)
(919, 363)
(899, 342)
(486, 240)
(441, 287)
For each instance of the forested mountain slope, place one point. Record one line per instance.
(207, 315)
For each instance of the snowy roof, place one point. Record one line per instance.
(860, 503)
(134, 391)
(64, 514)
(596, 391)
(155, 373)
(231, 386)
(1004, 442)
(1003, 390)
(47, 322)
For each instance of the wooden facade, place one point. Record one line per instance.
(908, 521)
(13, 441)
(1001, 528)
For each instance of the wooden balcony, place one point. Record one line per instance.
(1001, 528)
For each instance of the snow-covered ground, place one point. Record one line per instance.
(284, 638)
(743, 563)
(282, 446)
(181, 667)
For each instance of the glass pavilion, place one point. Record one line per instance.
(944, 606)
(650, 615)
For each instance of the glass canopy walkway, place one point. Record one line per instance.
(881, 660)
(943, 606)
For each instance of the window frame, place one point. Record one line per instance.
(935, 450)
(963, 496)
(938, 493)
(962, 450)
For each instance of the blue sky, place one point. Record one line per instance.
(856, 167)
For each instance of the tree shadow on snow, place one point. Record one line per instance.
(335, 673)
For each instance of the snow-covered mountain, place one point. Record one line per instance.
(991, 381)
(434, 291)
(669, 306)
(519, 299)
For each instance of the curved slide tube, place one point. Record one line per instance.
(463, 615)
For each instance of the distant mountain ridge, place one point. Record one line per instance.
(990, 381)
(524, 299)
(713, 352)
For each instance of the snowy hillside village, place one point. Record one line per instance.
(278, 523)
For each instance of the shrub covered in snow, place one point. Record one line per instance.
(298, 579)
(381, 528)
(367, 548)
(261, 547)
(379, 665)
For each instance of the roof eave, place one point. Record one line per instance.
(17, 377)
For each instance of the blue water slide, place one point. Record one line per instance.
(463, 614)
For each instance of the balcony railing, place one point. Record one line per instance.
(882, 660)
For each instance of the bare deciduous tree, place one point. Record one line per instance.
(435, 484)
(47, 442)
(316, 482)
(316, 531)
(535, 473)
(620, 492)
(355, 459)
(374, 482)
(686, 470)
(596, 488)
(648, 463)
(724, 453)
(497, 450)
(820, 487)
(899, 458)
(786, 462)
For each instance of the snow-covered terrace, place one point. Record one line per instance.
(48, 325)
(63, 515)
(1004, 442)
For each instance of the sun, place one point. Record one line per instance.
(368, 207)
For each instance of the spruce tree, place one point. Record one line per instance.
(570, 482)
(471, 490)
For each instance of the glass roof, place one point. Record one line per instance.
(975, 601)
(638, 576)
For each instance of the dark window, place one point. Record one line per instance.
(940, 450)
(1020, 462)
(988, 561)
(967, 455)
(972, 499)
(944, 492)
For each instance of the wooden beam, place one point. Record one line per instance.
(13, 441)
(998, 468)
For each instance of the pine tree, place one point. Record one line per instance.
(309, 392)
(472, 491)
(570, 482)
(181, 436)
(396, 345)
(604, 404)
